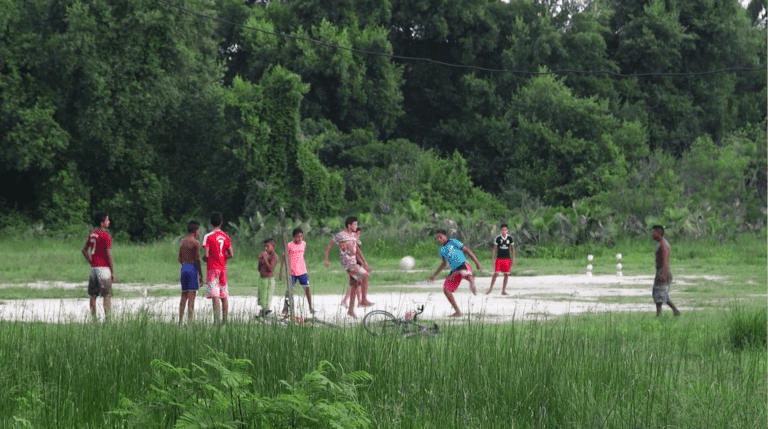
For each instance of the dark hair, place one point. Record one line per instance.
(98, 217)
(193, 225)
(660, 228)
(216, 219)
(349, 220)
(296, 231)
(269, 240)
(503, 225)
(441, 231)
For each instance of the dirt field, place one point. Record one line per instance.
(535, 297)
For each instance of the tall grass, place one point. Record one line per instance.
(617, 370)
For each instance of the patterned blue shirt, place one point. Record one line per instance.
(452, 253)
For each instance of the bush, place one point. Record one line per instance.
(219, 394)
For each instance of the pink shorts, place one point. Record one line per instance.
(217, 284)
(502, 265)
(454, 278)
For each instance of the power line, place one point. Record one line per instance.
(460, 66)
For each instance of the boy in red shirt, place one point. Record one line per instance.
(218, 248)
(98, 252)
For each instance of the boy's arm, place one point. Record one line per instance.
(230, 253)
(474, 258)
(197, 261)
(512, 253)
(271, 261)
(86, 251)
(442, 265)
(493, 253)
(327, 248)
(109, 263)
(205, 254)
(179, 258)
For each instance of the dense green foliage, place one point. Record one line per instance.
(616, 370)
(158, 113)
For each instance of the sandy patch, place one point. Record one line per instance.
(530, 297)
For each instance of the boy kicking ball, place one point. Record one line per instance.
(452, 252)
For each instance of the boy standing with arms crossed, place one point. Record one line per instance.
(218, 248)
(98, 252)
(190, 274)
(452, 253)
(502, 256)
(267, 261)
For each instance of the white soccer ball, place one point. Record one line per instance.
(589, 273)
(618, 256)
(618, 267)
(407, 262)
(590, 257)
(589, 267)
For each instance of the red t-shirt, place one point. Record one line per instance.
(98, 243)
(217, 243)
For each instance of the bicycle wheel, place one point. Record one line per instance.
(380, 322)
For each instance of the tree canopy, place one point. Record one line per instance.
(159, 111)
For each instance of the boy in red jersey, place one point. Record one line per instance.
(98, 252)
(217, 249)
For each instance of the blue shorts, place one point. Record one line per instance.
(188, 276)
(303, 280)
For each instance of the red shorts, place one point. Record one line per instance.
(454, 278)
(217, 284)
(502, 265)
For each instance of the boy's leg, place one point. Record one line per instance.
(224, 310)
(107, 306)
(215, 302)
(353, 285)
(345, 300)
(363, 292)
(92, 303)
(449, 295)
(658, 309)
(449, 285)
(309, 299)
(493, 280)
(468, 276)
(504, 287)
(270, 291)
(182, 306)
(191, 304)
(674, 309)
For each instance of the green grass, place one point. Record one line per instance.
(742, 260)
(619, 370)
(706, 369)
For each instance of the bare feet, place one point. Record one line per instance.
(352, 315)
(456, 314)
(489, 291)
(344, 304)
(366, 304)
(504, 293)
(473, 288)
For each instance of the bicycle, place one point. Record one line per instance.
(380, 322)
